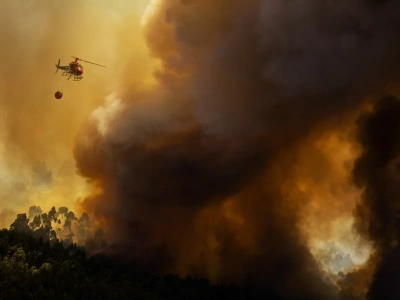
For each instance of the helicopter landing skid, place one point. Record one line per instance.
(76, 78)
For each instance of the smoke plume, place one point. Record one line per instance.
(234, 159)
(222, 168)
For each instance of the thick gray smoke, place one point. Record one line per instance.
(377, 170)
(194, 170)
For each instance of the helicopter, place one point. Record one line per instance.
(74, 69)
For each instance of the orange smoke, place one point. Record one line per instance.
(237, 163)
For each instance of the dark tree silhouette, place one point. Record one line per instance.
(36, 264)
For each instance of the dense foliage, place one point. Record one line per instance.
(34, 264)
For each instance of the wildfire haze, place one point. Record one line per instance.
(253, 142)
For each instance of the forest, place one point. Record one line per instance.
(39, 260)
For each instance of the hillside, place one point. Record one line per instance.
(33, 266)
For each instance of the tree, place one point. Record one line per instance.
(20, 223)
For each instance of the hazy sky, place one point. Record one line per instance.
(36, 127)
(121, 6)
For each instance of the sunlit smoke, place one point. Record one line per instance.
(322, 177)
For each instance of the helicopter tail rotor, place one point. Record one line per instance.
(57, 66)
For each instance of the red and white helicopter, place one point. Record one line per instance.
(74, 69)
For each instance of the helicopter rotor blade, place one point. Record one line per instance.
(89, 62)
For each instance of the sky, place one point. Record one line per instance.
(228, 139)
(38, 128)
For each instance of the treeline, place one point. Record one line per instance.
(61, 224)
(36, 264)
